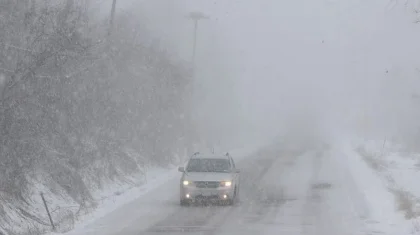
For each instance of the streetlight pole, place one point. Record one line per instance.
(111, 20)
(195, 41)
(196, 16)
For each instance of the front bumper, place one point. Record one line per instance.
(212, 194)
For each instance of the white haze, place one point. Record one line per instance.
(322, 68)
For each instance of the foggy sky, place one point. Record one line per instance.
(267, 65)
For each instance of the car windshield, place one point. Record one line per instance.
(208, 165)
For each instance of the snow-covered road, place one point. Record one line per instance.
(282, 192)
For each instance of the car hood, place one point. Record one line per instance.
(207, 176)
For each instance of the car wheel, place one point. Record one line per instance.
(237, 195)
(228, 202)
(232, 201)
(183, 202)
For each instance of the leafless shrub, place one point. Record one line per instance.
(70, 104)
(406, 203)
(64, 220)
(372, 159)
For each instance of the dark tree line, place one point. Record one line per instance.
(74, 103)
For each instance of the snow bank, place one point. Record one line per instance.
(68, 214)
(117, 196)
(388, 181)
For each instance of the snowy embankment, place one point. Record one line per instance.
(116, 195)
(68, 211)
(388, 178)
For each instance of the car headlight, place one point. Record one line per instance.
(227, 183)
(185, 182)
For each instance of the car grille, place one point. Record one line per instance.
(207, 184)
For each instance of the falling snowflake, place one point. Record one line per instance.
(2, 79)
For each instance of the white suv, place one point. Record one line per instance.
(209, 177)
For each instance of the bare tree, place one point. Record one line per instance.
(70, 106)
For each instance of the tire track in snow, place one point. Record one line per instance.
(288, 219)
(312, 210)
(334, 205)
(252, 191)
(278, 207)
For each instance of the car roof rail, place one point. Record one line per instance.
(195, 154)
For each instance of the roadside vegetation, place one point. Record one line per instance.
(81, 106)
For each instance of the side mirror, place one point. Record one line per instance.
(181, 169)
